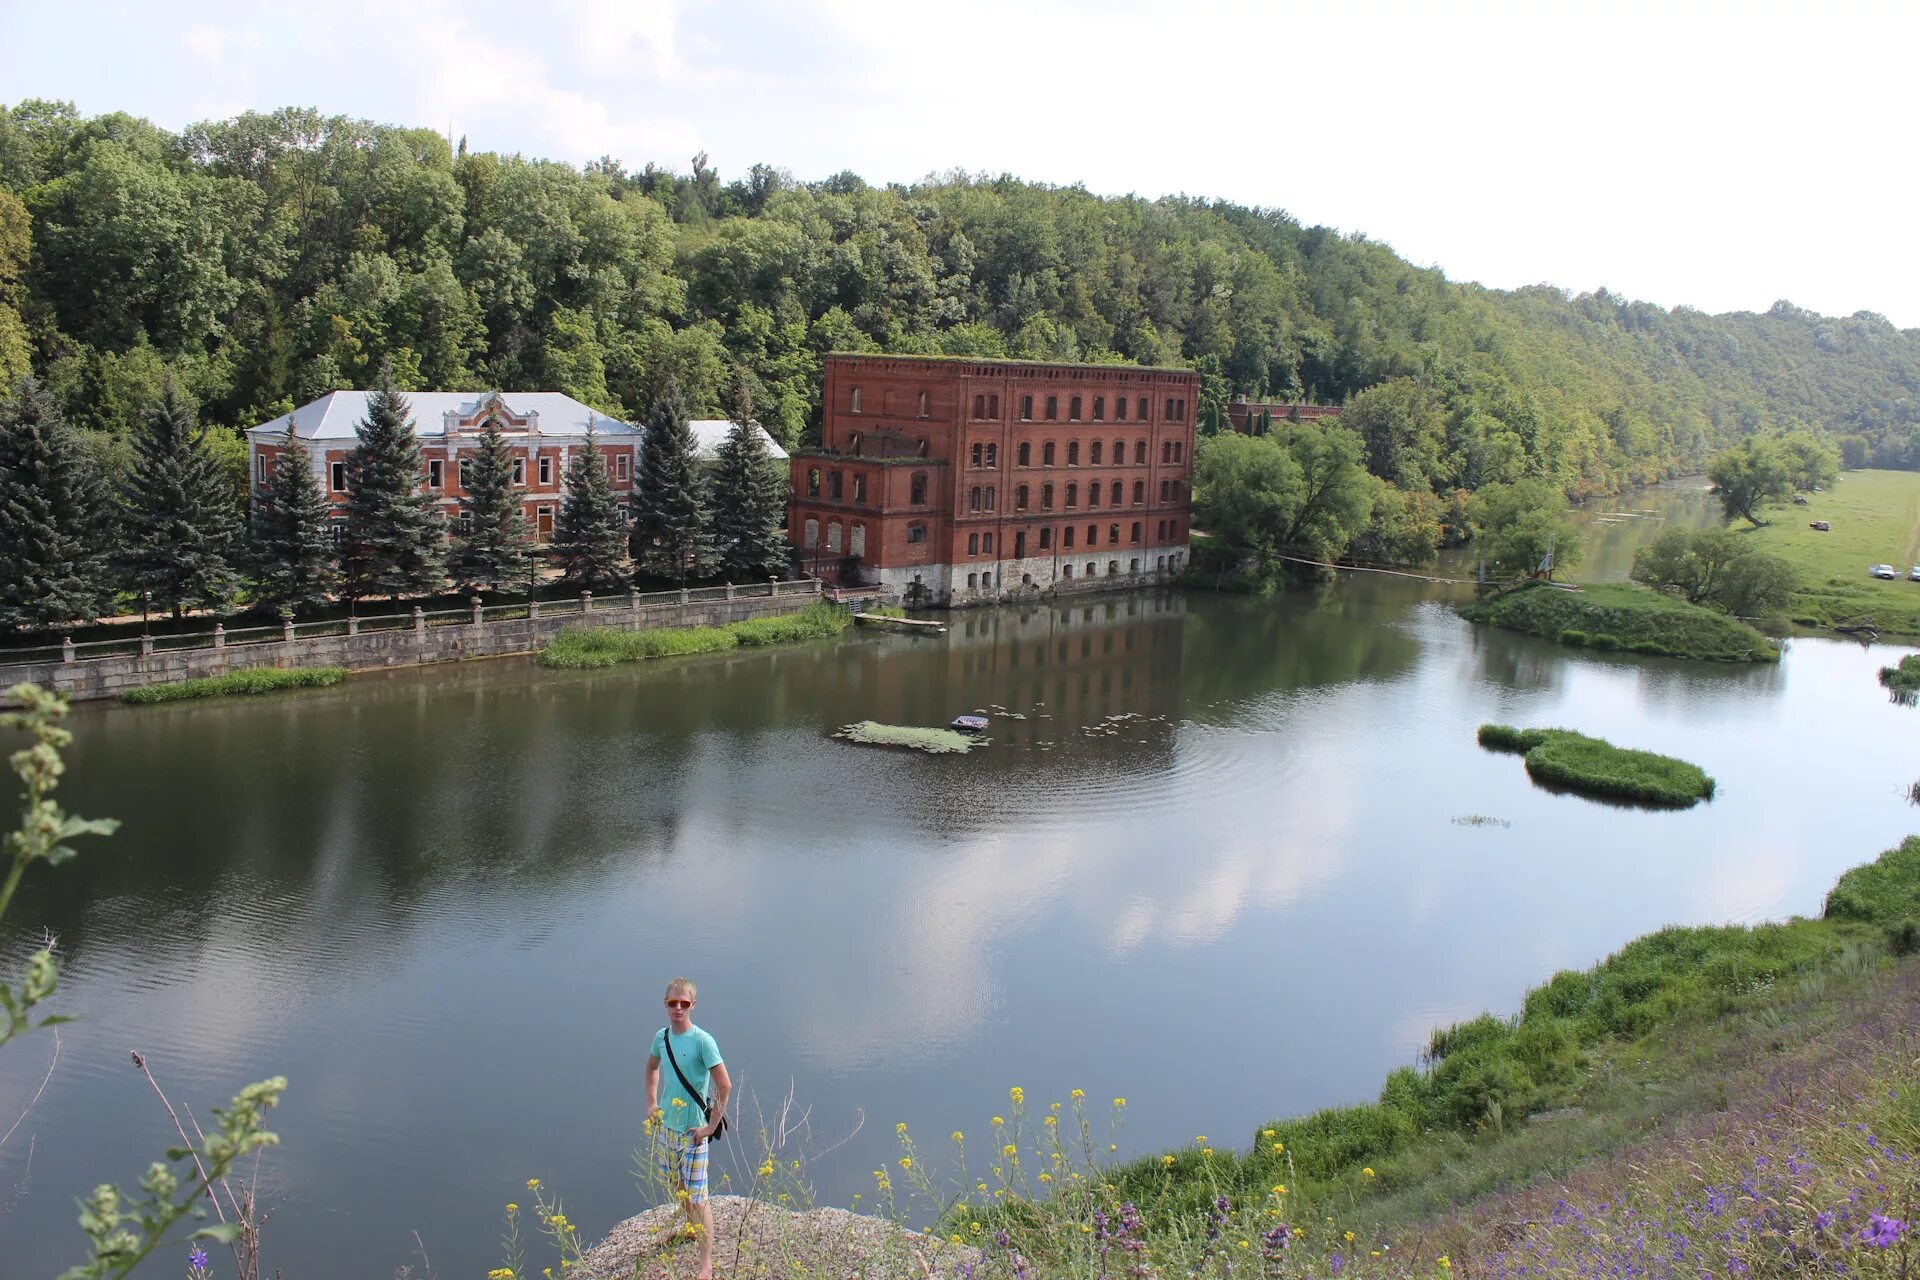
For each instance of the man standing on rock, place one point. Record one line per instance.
(688, 1118)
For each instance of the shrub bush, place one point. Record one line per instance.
(238, 683)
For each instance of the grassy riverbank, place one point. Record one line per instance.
(1562, 758)
(1875, 519)
(585, 648)
(1623, 616)
(238, 683)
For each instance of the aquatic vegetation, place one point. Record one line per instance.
(1593, 766)
(932, 741)
(1480, 820)
(589, 648)
(1626, 617)
(238, 683)
(1903, 682)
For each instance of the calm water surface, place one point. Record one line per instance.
(444, 903)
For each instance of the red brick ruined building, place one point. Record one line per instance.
(959, 481)
(1248, 416)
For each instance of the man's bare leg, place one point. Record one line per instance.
(700, 1220)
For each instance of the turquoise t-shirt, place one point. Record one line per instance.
(697, 1055)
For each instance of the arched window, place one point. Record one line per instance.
(986, 543)
(1093, 451)
(1119, 453)
(1169, 413)
(973, 498)
(1166, 452)
(1025, 456)
(1093, 538)
(916, 532)
(1053, 408)
(853, 444)
(1139, 492)
(1073, 496)
(973, 581)
(1073, 453)
(1066, 571)
(811, 538)
(1119, 408)
(979, 406)
(859, 486)
(1113, 535)
(973, 544)
(1046, 497)
(854, 400)
(1026, 408)
(857, 540)
(993, 406)
(1113, 567)
(1165, 490)
(1093, 494)
(1046, 454)
(1135, 538)
(1020, 498)
(926, 404)
(1099, 408)
(974, 454)
(1179, 449)
(993, 455)
(1139, 453)
(1143, 409)
(1046, 538)
(813, 482)
(917, 488)
(1073, 409)
(1066, 538)
(991, 495)
(1093, 570)
(833, 535)
(1115, 500)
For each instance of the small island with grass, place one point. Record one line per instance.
(1903, 681)
(591, 648)
(1561, 758)
(1623, 616)
(255, 680)
(937, 742)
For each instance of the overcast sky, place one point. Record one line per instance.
(1716, 155)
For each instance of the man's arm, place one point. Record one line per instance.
(653, 1086)
(717, 1108)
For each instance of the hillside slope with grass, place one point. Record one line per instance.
(1623, 616)
(1874, 518)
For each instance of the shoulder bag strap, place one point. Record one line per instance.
(666, 1037)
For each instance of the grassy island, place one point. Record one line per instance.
(1904, 680)
(1623, 616)
(238, 683)
(1562, 758)
(932, 741)
(586, 648)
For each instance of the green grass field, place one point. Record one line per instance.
(1876, 520)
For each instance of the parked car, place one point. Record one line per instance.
(1821, 525)
(1913, 574)
(1883, 571)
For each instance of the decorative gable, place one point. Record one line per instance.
(473, 416)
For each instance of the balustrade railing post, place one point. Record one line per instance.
(729, 591)
(683, 595)
(773, 585)
(533, 608)
(219, 636)
(286, 630)
(146, 646)
(478, 616)
(419, 623)
(353, 624)
(586, 602)
(633, 599)
(66, 650)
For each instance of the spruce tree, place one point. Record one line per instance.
(396, 543)
(590, 538)
(491, 548)
(52, 518)
(671, 535)
(749, 506)
(178, 535)
(292, 546)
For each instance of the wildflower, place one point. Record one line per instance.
(959, 1136)
(1200, 1140)
(533, 1184)
(1446, 1263)
(1166, 1160)
(901, 1127)
(1119, 1102)
(998, 1121)
(1207, 1152)
(906, 1162)
(500, 1273)
(1052, 1121)
(975, 1226)
(512, 1207)
(1881, 1231)
(1046, 1177)
(1367, 1172)
(1266, 1133)
(1278, 1147)
(197, 1259)
(1017, 1094)
(1010, 1151)
(766, 1169)
(1078, 1094)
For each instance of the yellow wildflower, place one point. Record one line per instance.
(512, 1207)
(533, 1184)
(997, 1120)
(959, 1136)
(1053, 1120)
(1245, 1245)
(1349, 1237)
(1266, 1133)
(906, 1162)
(1046, 1177)
(975, 1226)
(1200, 1140)
(1278, 1147)
(1207, 1151)
(766, 1169)
(1010, 1151)
(1119, 1102)
(1078, 1094)
(1367, 1172)
(1446, 1263)
(1017, 1094)
(1166, 1160)
(901, 1127)
(1053, 1106)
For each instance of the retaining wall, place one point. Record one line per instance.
(423, 638)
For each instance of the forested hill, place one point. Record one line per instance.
(270, 258)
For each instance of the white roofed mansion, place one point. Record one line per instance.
(543, 429)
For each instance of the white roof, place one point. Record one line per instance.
(710, 433)
(338, 414)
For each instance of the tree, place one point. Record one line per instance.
(1690, 563)
(1812, 461)
(1335, 498)
(291, 542)
(1518, 524)
(589, 539)
(749, 505)
(1750, 475)
(494, 538)
(1756, 584)
(52, 518)
(177, 530)
(1245, 489)
(671, 535)
(396, 541)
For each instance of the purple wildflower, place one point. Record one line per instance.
(1882, 1232)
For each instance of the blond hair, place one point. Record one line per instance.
(683, 985)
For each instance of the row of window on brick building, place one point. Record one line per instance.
(986, 497)
(988, 455)
(981, 543)
(436, 471)
(988, 580)
(986, 407)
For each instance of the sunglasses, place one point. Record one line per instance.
(679, 1004)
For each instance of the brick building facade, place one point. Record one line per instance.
(960, 481)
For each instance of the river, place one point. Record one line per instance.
(444, 903)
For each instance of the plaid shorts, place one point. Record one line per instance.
(683, 1162)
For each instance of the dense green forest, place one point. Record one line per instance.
(267, 259)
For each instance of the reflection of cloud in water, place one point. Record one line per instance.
(1744, 883)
